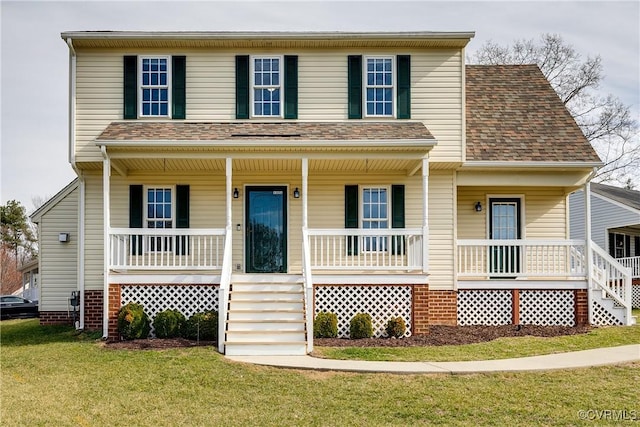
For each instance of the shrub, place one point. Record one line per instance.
(325, 325)
(202, 326)
(360, 326)
(133, 322)
(396, 327)
(169, 324)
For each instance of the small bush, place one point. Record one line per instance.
(325, 325)
(396, 327)
(169, 324)
(202, 326)
(360, 326)
(133, 322)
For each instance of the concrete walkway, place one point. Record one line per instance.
(576, 359)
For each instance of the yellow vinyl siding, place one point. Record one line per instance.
(436, 91)
(93, 250)
(544, 211)
(59, 261)
(441, 230)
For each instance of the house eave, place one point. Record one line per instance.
(510, 165)
(424, 144)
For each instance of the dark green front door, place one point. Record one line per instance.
(266, 229)
(504, 224)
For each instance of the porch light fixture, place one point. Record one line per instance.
(236, 193)
(478, 207)
(296, 193)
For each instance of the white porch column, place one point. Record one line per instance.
(305, 178)
(228, 172)
(106, 219)
(425, 215)
(587, 245)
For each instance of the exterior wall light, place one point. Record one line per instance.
(236, 193)
(296, 193)
(478, 207)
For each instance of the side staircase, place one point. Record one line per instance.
(610, 293)
(266, 316)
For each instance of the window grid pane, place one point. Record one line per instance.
(155, 88)
(375, 209)
(159, 215)
(266, 87)
(379, 90)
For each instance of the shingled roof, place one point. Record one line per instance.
(251, 131)
(630, 198)
(513, 114)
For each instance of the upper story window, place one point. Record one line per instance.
(379, 78)
(267, 86)
(154, 86)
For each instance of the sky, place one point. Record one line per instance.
(34, 60)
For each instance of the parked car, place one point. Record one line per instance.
(12, 306)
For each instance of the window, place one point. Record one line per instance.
(267, 87)
(375, 215)
(159, 215)
(379, 86)
(154, 86)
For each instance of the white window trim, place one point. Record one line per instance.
(361, 213)
(394, 85)
(146, 189)
(169, 88)
(252, 59)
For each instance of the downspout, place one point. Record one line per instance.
(81, 182)
(106, 215)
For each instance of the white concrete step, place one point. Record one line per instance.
(265, 278)
(266, 287)
(270, 294)
(265, 304)
(267, 336)
(262, 325)
(264, 349)
(268, 315)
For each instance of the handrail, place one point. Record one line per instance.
(307, 278)
(632, 262)
(617, 278)
(225, 283)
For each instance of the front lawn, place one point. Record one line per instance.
(51, 376)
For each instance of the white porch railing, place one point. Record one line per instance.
(166, 249)
(308, 288)
(484, 258)
(365, 249)
(613, 279)
(225, 284)
(632, 263)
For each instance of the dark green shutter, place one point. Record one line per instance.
(612, 245)
(627, 245)
(178, 87)
(351, 216)
(355, 86)
(290, 87)
(135, 216)
(130, 84)
(397, 216)
(182, 217)
(242, 87)
(637, 251)
(404, 87)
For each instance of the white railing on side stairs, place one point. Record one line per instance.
(225, 283)
(612, 278)
(308, 287)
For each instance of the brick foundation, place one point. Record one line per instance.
(93, 310)
(114, 307)
(581, 304)
(443, 308)
(420, 320)
(56, 318)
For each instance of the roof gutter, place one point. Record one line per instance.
(412, 143)
(81, 182)
(529, 164)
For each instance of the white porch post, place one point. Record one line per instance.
(425, 215)
(228, 172)
(305, 178)
(587, 246)
(106, 215)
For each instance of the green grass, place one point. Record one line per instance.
(502, 348)
(52, 376)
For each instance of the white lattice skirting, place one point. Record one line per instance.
(381, 302)
(188, 299)
(495, 307)
(635, 296)
(601, 315)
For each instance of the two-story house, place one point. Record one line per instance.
(271, 176)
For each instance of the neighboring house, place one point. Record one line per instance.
(30, 279)
(58, 249)
(271, 176)
(615, 225)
